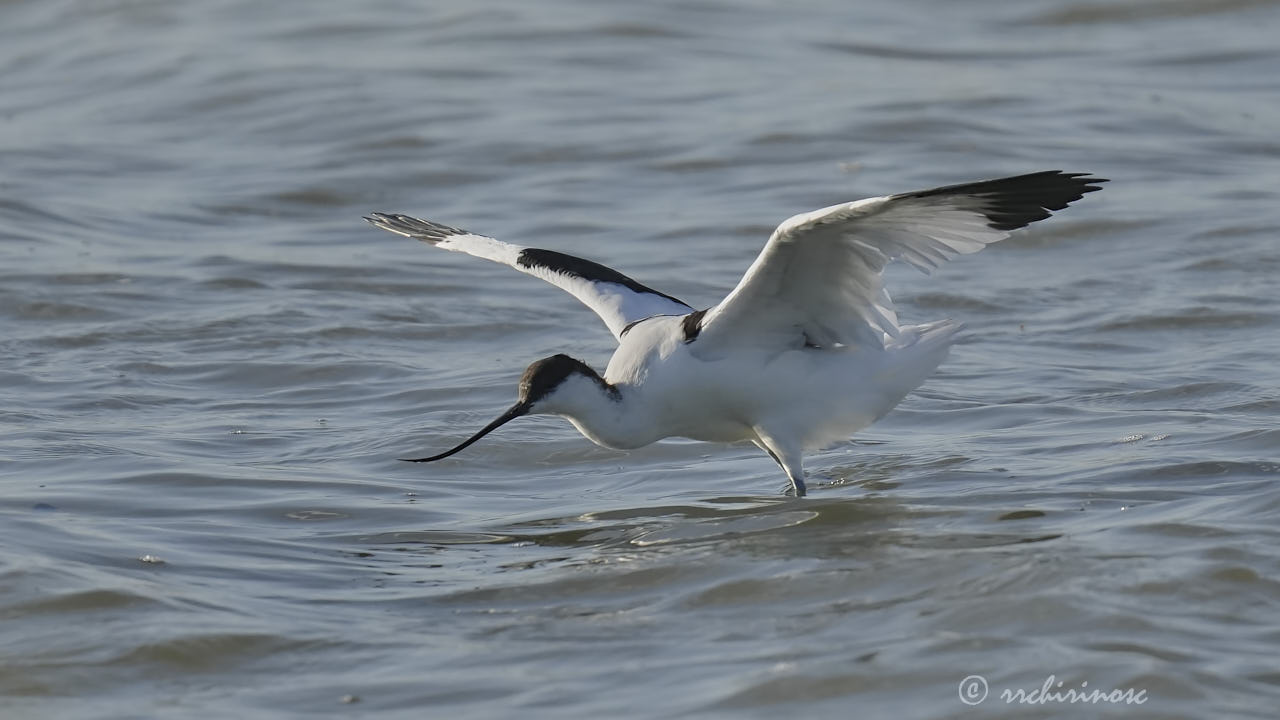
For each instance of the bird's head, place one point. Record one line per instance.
(552, 385)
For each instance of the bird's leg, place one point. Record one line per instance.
(790, 460)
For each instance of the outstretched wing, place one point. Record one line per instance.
(616, 298)
(818, 280)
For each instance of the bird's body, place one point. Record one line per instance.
(813, 396)
(804, 352)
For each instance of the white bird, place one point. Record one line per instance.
(804, 352)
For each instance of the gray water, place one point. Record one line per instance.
(211, 363)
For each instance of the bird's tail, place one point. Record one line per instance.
(912, 357)
(932, 334)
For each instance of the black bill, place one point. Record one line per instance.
(514, 412)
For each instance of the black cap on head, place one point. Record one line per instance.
(539, 380)
(546, 374)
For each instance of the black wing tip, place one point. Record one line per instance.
(1011, 203)
(417, 459)
(1082, 181)
(410, 226)
(382, 219)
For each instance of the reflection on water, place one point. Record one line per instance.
(212, 363)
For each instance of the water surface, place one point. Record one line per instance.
(211, 363)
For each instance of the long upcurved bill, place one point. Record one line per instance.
(512, 413)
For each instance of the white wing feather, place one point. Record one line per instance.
(616, 298)
(819, 281)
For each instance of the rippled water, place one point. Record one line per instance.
(211, 362)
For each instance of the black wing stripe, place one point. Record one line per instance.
(585, 269)
(691, 325)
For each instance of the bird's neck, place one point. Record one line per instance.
(605, 414)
